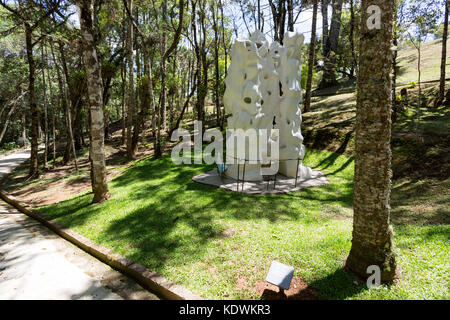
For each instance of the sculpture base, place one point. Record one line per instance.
(288, 168)
(247, 172)
(281, 184)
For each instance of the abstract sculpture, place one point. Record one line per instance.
(263, 91)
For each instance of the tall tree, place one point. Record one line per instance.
(45, 105)
(130, 111)
(32, 15)
(312, 52)
(352, 39)
(279, 12)
(331, 46)
(444, 55)
(165, 53)
(216, 62)
(324, 7)
(95, 97)
(423, 18)
(372, 234)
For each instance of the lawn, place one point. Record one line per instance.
(219, 243)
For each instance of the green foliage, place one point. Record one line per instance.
(9, 146)
(422, 16)
(181, 229)
(412, 84)
(315, 77)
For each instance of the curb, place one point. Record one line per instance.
(148, 279)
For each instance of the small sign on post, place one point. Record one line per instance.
(280, 275)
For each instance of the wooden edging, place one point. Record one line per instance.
(150, 280)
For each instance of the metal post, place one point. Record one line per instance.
(243, 177)
(237, 180)
(296, 172)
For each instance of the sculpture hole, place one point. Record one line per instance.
(262, 102)
(247, 100)
(245, 76)
(269, 93)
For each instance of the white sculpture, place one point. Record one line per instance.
(264, 84)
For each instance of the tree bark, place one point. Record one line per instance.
(124, 83)
(24, 126)
(45, 107)
(130, 112)
(372, 234)
(290, 11)
(444, 55)
(6, 122)
(34, 170)
(95, 97)
(216, 66)
(66, 92)
(312, 52)
(331, 46)
(324, 24)
(352, 40)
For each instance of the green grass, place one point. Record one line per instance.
(430, 62)
(407, 67)
(162, 219)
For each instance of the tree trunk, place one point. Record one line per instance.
(162, 100)
(45, 107)
(94, 81)
(66, 85)
(419, 72)
(162, 106)
(352, 40)
(223, 38)
(34, 171)
(394, 80)
(130, 113)
(186, 104)
(53, 108)
(324, 24)
(372, 234)
(6, 122)
(331, 46)
(24, 126)
(124, 83)
(290, 10)
(312, 52)
(444, 56)
(216, 61)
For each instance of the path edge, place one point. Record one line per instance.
(147, 278)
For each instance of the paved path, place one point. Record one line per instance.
(8, 163)
(35, 263)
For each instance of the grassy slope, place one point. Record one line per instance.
(407, 64)
(162, 219)
(430, 62)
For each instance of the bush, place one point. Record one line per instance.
(412, 84)
(9, 146)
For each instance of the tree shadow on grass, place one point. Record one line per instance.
(339, 285)
(159, 217)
